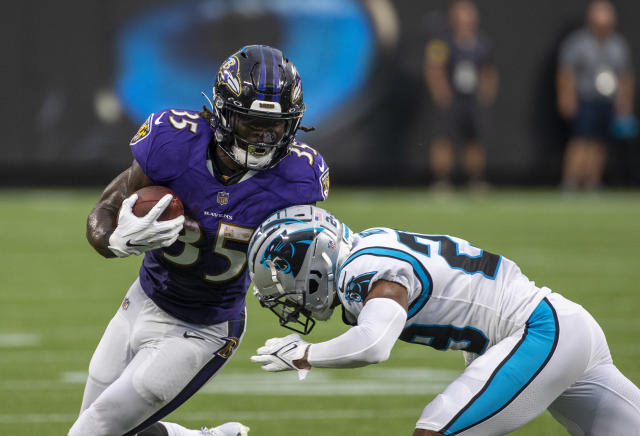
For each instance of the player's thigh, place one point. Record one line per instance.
(114, 351)
(161, 377)
(512, 382)
(186, 359)
(602, 402)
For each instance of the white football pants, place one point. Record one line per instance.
(559, 361)
(147, 364)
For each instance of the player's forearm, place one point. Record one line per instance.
(379, 326)
(103, 219)
(438, 85)
(567, 101)
(488, 85)
(100, 224)
(624, 100)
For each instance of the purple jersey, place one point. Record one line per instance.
(202, 278)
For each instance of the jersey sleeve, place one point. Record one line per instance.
(486, 55)
(361, 271)
(159, 150)
(569, 52)
(437, 52)
(308, 169)
(625, 54)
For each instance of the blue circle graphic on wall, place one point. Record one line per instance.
(168, 55)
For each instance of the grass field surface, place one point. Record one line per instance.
(57, 296)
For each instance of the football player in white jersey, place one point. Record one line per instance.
(527, 348)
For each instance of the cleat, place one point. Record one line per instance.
(226, 429)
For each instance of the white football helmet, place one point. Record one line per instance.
(293, 257)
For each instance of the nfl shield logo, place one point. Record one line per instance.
(223, 198)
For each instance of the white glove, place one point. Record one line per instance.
(135, 235)
(278, 354)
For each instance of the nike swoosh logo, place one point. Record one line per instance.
(192, 336)
(156, 122)
(282, 350)
(129, 244)
(321, 166)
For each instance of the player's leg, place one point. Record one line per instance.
(573, 164)
(169, 368)
(516, 379)
(422, 432)
(442, 160)
(219, 341)
(114, 352)
(603, 400)
(595, 162)
(475, 158)
(441, 149)
(474, 155)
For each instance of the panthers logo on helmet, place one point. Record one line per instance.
(358, 287)
(287, 251)
(142, 132)
(229, 75)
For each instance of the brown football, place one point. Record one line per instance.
(150, 195)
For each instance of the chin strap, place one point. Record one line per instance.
(208, 99)
(306, 129)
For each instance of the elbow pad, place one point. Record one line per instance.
(379, 325)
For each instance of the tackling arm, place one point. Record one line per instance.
(379, 325)
(102, 220)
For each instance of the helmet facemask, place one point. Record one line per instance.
(293, 267)
(257, 100)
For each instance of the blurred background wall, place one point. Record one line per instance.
(79, 76)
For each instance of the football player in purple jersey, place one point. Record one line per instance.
(183, 317)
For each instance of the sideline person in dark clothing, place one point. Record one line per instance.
(462, 81)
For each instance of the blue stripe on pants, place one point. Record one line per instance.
(514, 373)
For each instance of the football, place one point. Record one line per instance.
(150, 195)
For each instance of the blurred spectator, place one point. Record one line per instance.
(595, 94)
(462, 81)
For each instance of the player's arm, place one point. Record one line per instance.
(568, 60)
(113, 229)
(488, 84)
(624, 99)
(567, 100)
(435, 74)
(379, 325)
(103, 219)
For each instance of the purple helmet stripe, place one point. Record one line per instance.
(263, 73)
(276, 88)
(263, 76)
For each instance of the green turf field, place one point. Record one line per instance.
(57, 295)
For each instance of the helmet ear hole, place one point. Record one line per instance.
(313, 286)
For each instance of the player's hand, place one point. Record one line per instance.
(279, 354)
(135, 235)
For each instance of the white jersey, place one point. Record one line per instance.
(460, 297)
